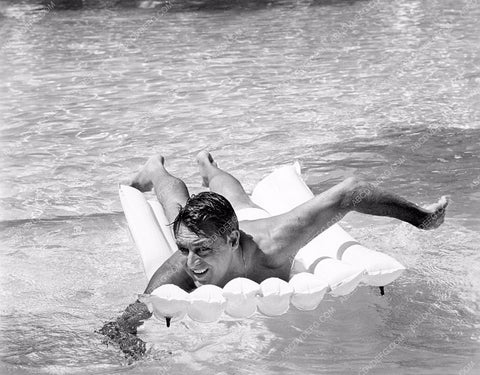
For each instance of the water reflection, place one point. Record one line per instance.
(343, 86)
(191, 4)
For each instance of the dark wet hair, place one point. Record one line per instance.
(207, 214)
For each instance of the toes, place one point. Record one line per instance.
(126, 181)
(201, 156)
(153, 160)
(205, 157)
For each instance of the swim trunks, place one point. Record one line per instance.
(251, 213)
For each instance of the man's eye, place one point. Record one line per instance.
(183, 251)
(203, 252)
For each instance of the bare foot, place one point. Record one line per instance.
(143, 179)
(437, 214)
(205, 162)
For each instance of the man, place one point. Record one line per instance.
(214, 246)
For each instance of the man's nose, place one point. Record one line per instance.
(192, 259)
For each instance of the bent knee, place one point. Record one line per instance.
(354, 191)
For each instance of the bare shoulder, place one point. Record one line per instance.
(259, 231)
(263, 260)
(280, 237)
(267, 238)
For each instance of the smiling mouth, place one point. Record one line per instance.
(200, 272)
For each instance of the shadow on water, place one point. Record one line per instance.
(189, 4)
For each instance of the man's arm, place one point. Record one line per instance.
(123, 330)
(172, 272)
(293, 230)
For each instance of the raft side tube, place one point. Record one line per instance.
(150, 240)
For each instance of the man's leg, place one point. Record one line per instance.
(222, 182)
(171, 191)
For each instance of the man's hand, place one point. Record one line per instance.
(133, 347)
(133, 316)
(123, 331)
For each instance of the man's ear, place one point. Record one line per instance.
(234, 239)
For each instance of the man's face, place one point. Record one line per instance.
(208, 258)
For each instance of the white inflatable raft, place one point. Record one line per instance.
(332, 262)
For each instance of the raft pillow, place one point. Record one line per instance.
(241, 295)
(381, 268)
(167, 301)
(342, 278)
(206, 304)
(308, 290)
(275, 296)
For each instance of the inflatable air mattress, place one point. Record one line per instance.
(333, 262)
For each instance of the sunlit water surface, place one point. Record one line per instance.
(388, 90)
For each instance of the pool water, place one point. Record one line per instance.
(385, 90)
